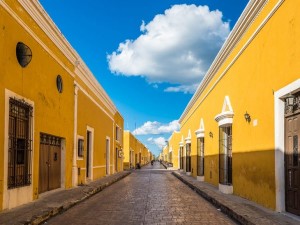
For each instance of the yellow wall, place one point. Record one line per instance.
(53, 111)
(174, 144)
(267, 64)
(140, 151)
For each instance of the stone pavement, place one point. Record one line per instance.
(241, 210)
(55, 202)
(149, 196)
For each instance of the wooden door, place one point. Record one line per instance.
(292, 164)
(43, 171)
(50, 163)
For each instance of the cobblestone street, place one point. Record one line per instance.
(151, 195)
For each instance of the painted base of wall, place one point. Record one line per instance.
(200, 178)
(188, 173)
(181, 170)
(226, 189)
(18, 196)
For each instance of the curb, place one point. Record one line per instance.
(36, 220)
(226, 210)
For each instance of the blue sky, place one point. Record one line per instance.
(149, 55)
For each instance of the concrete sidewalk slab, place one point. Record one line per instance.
(240, 209)
(55, 202)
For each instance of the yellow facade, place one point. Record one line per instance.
(134, 151)
(174, 149)
(252, 74)
(81, 110)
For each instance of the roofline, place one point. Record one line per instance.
(41, 17)
(250, 12)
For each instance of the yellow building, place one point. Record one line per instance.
(60, 127)
(241, 128)
(174, 149)
(134, 151)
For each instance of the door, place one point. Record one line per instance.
(50, 163)
(292, 164)
(88, 150)
(116, 163)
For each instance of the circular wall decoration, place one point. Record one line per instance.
(59, 83)
(24, 54)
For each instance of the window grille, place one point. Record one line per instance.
(19, 144)
(225, 156)
(80, 147)
(188, 157)
(200, 156)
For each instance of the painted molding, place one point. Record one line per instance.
(91, 155)
(44, 21)
(200, 132)
(188, 138)
(200, 178)
(226, 116)
(251, 11)
(21, 195)
(93, 100)
(279, 105)
(226, 189)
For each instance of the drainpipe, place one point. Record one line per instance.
(74, 164)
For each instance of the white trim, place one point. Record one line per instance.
(188, 138)
(74, 161)
(40, 16)
(63, 163)
(188, 173)
(91, 151)
(17, 196)
(181, 143)
(226, 189)
(93, 100)
(249, 14)
(107, 151)
(226, 116)
(279, 142)
(200, 178)
(34, 36)
(79, 137)
(200, 132)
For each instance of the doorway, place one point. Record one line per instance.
(50, 163)
(292, 164)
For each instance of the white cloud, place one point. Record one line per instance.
(183, 88)
(156, 128)
(159, 142)
(175, 47)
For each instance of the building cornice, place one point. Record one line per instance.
(249, 14)
(44, 21)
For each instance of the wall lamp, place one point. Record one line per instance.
(290, 100)
(211, 134)
(247, 117)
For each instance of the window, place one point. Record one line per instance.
(200, 156)
(225, 156)
(188, 157)
(80, 147)
(59, 83)
(117, 133)
(19, 144)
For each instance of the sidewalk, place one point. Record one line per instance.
(240, 209)
(57, 201)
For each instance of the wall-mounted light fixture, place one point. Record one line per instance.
(211, 134)
(247, 117)
(290, 100)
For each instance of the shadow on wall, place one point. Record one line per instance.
(253, 175)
